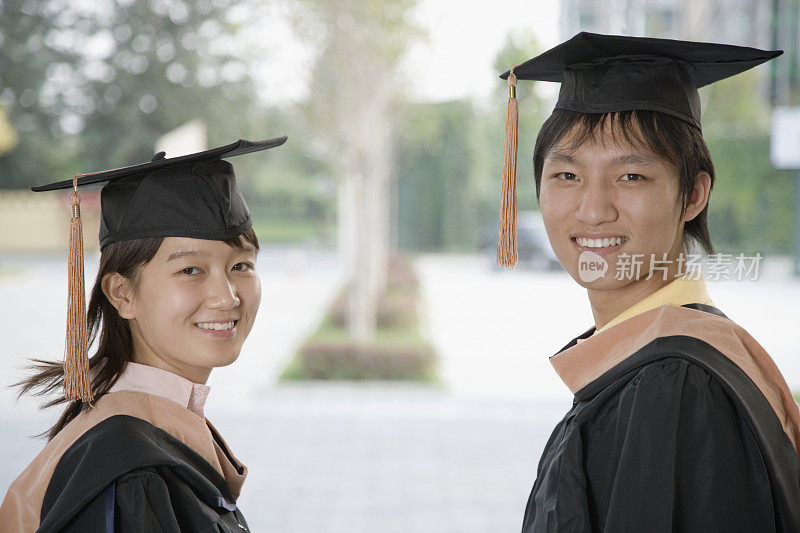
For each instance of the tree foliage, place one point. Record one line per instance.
(751, 205)
(449, 157)
(92, 85)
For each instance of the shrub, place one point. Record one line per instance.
(318, 360)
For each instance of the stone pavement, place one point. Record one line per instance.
(322, 457)
(494, 331)
(386, 458)
(375, 458)
(459, 457)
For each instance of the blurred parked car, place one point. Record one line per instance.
(533, 247)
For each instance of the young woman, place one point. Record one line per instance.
(681, 421)
(176, 295)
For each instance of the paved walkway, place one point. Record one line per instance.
(494, 331)
(373, 458)
(322, 457)
(387, 459)
(460, 457)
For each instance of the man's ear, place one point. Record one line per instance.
(699, 197)
(119, 291)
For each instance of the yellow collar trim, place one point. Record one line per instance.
(688, 289)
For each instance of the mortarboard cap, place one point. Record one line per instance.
(611, 73)
(194, 195)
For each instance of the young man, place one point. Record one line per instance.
(681, 421)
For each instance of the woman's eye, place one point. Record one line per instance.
(632, 177)
(243, 266)
(190, 271)
(566, 175)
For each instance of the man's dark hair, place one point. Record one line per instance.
(671, 138)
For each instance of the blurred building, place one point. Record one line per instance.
(40, 222)
(756, 23)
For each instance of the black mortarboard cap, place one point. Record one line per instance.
(612, 73)
(193, 195)
(608, 73)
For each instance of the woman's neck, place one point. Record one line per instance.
(192, 373)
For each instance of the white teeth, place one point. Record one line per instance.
(217, 326)
(600, 243)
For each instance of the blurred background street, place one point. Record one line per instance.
(395, 380)
(459, 455)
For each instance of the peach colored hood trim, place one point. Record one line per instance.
(583, 363)
(22, 505)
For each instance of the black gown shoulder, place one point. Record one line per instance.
(674, 438)
(124, 474)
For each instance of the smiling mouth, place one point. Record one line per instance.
(605, 242)
(217, 326)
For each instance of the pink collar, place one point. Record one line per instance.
(164, 384)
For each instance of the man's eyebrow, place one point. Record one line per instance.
(635, 159)
(561, 156)
(185, 253)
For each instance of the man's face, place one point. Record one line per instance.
(610, 198)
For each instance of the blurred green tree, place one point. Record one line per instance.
(355, 91)
(751, 206)
(449, 161)
(93, 85)
(434, 208)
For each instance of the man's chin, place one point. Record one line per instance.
(602, 283)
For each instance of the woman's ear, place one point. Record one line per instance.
(119, 291)
(699, 197)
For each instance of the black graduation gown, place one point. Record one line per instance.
(675, 437)
(158, 485)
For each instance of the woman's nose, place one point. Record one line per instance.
(223, 294)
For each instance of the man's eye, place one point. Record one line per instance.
(632, 177)
(243, 266)
(566, 175)
(190, 271)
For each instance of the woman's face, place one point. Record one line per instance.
(193, 306)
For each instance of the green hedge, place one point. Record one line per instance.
(398, 352)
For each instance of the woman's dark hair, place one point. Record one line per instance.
(668, 137)
(115, 346)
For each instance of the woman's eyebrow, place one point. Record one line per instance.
(184, 253)
(250, 250)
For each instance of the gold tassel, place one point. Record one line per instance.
(77, 385)
(507, 234)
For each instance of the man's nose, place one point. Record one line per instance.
(596, 205)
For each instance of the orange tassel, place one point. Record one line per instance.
(77, 385)
(507, 234)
